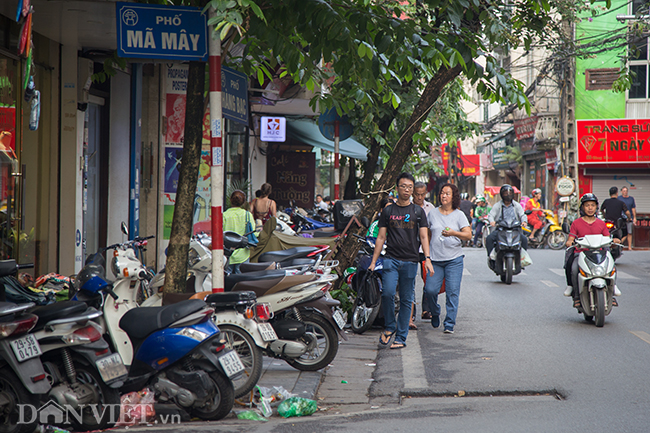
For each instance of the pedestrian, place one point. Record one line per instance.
(534, 206)
(419, 194)
(402, 226)
(631, 206)
(449, 228)
(320, 203)
(263, 207)
(481, 214)
(235, 219)
(466, 206)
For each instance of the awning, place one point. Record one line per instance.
(307, 132)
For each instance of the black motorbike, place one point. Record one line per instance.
(508, 250)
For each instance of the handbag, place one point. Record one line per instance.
(250, 232)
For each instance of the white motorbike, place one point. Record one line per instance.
(596, 277)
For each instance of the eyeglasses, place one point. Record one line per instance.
(406, 187)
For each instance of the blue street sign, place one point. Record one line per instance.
(234, 95)
(161, 32)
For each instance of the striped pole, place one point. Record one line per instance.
(216, 165)
(337, 168)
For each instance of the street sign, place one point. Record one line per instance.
(326, 124)
(161, 32)
(273, 129)
(565, 186)
(234, 95)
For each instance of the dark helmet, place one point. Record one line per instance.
(507, 192)
(588, 197)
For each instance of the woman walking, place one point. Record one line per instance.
(263, 207)
(235, 219)
(449, 228)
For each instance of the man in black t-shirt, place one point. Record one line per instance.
(613, 208)
(402, 226)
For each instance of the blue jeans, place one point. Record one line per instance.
(398, 273)
(478, 232)
(451, 271)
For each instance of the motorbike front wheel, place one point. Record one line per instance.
(600, 308)
(556, 240)
(250, 355)
(325, 347)
(510, 268)
(363, 316)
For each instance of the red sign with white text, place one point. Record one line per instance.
(614, 141)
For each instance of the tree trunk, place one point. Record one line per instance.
(351, 184)
(179, 240)
(370, 166)
(346, 251)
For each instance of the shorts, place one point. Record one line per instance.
(629, 224)
(534, 222)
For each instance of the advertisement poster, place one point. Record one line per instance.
(292, 176)
(613, 141)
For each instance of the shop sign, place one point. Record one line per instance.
(273, 129)
(499, 151)
(234, 95)
(565, 186)
(525, 128)
(292, 176)
(161, 32)
(613, 141)
(470, 164)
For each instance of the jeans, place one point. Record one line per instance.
(451, 271)
(478, 232)
(398, 273)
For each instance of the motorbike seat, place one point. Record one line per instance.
(7, 267)
(268, 287)
(138, 323)
(291, 253)
(254, 267)
(58, 310)
(266, 276)
(297, 262)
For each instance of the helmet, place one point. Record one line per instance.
(536, 191)
(588, 197)
(463, 195)
(507, 193)
(479, 198)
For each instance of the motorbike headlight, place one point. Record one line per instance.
(597, 270)
(115, 267)
(193, 257)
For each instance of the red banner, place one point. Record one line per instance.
(470, 164)
(613, 141)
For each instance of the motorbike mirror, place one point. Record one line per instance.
(125, 229)
(365, 221)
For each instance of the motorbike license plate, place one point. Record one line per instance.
(26, 348)
(231, 363)
(111, 367)
(338, 318)
(267, 331)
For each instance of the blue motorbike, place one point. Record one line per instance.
(175, 350)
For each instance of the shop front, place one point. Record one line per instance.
(616, 152)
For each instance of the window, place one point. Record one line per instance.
(638, 56)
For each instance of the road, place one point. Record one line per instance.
(521, 360)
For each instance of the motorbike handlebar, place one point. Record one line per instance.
(109, 290)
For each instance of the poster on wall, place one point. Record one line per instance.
(291, 174)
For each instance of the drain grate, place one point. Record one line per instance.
(499, 393)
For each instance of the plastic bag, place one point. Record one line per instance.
(297, 406)
(264, 398)
(137, 408)
(251, 414)
(525, 259)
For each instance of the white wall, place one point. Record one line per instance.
(119, 156)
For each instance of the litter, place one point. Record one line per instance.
(297, 406)
(251, 415)
(344, 381)
(372, 364)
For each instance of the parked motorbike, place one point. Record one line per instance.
(84, 374)
(550, 234)
(507, 251)
(596, 277)
(176, 349)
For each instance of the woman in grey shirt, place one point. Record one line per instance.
(449, 228)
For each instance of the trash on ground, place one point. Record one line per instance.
(297, 406)
(374, 407)
(372, 364)
(51, 429)
(461, 393)
(137, 408)
(251, 415)
(344, 381)
(265, 398)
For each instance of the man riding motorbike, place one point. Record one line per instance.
(506, 209)
(588, 224)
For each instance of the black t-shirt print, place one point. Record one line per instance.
(613, 208)
(403, 231)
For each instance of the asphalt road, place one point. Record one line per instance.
(521, 360)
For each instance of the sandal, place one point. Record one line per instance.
(614, 302)
(576, 303)
(398, 346)
(385, 337)
(426, 315)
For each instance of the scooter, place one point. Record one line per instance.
(176, 350)
(596, 277)
(550, 234)
(505, 259)
(84, 374)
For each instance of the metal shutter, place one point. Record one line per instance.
(640, 191)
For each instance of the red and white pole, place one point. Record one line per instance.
(337, 168)
(216, 165)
